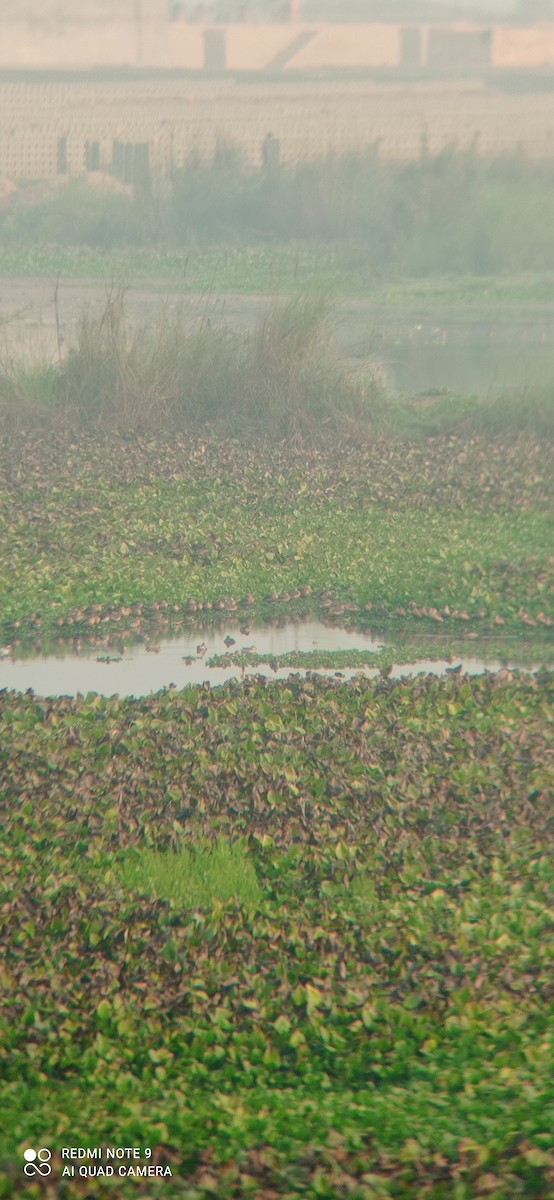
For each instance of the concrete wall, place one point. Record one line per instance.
(259, 47)
(185, 46)
(350, 46)
(57, 34)
(522, 48)
(115, 45)
(458, 47)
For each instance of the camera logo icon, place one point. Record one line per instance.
(37, 1162)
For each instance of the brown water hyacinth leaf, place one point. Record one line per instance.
(485, 1184)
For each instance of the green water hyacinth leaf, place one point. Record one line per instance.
(314, 999)
(282, 1024)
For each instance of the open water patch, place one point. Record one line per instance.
(143, 668)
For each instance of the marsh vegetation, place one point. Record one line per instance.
(349, 222)
(293, 935)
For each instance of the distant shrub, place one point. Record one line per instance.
(455, 212)
(77, 214)
(449, 214)
(520, 410)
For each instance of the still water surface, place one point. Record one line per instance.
(468, 370)
(138, 671)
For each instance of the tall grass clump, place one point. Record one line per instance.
(282, 381)
(29, 390)
(518, 410)
(196, 877)
(294, 386)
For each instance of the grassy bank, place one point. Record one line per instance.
(455, 212)
(379, 1024)
(272, 270)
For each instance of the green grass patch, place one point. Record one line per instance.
(267, 269)
(195, 877)
(525, 652)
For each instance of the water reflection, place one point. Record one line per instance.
(470, 370)
(143, 668)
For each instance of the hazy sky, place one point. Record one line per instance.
(499, 6)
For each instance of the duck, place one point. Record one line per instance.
(201, 648)
(229, 641)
